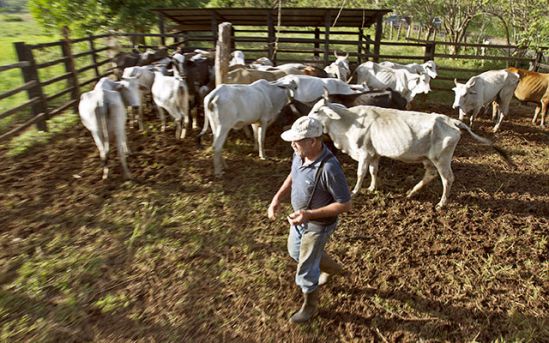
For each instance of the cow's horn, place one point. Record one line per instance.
(455, 81)
(335, 54)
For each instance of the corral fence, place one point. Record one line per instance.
(56, 73)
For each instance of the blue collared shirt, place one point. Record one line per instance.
(332, 185)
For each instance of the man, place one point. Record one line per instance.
(315, 210)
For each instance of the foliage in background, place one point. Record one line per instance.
(100, 16)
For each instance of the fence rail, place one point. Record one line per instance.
(260, 42)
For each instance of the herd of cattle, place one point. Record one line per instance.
(365, 112)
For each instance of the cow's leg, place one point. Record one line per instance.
(121, 146)
(430, 174)
(544, 103)
(131, 116)
(103, 147)
(536, 112)
(183, 107)
(178, 131)
(373, 167)
(361, 171)
(140, 113)
(261, 140)
(162, 118)
(500, 119)
(443, 165)
(473, 115)
(495, 110)
(255, 130)
(219, 139)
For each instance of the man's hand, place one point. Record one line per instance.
(273, 210)
(298, 217)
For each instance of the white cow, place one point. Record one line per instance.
(400, 80)
(145, 78)
(481, 90)
(235, 106)
(238, 58)
(428, 68)
(366, 133)
(340, 68)
(103, 113)
(262, 62)
(171, 94)
(311, 88)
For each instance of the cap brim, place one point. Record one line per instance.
(290, 136)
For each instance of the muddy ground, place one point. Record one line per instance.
(178, 256)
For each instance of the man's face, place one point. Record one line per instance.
(303, 147)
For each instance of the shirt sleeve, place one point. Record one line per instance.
(335, 182)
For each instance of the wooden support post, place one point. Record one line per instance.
(30, 73)
(327, 20)
(367, 47)
(93, 55)
(233, 43)
(72, 81)
(360, 44)
(429, 51)
(223, 53)
(377, 41)
(161, 29)
(214, 29)
(271, 38)
(317, 44)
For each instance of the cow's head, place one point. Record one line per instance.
(238, 58)
(418, 83)
(465, 96)
(291, 87)
(129, 89)
(430, 68)
(323, 112)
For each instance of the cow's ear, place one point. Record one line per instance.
(331, 113)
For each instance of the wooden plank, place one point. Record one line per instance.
(45, 45)
(24, 87)
(63, 107)
(18, 108)
(51, 63)
(55, 79)
(39, 117)
(58, 94)
(14, 65)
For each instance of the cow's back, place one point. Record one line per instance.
(532, 86)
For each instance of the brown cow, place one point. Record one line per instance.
(533, 87)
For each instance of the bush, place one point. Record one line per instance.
(12, 18)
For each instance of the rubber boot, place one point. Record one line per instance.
(328, 268)
(309, 309)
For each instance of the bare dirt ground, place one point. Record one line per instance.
(178, 256)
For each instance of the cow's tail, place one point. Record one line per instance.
(485, 141)
(209, 107)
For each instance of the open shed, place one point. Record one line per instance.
(270, 32)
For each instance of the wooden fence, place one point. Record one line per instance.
(255, 43)
(43, 106)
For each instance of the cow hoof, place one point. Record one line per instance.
(439, 207)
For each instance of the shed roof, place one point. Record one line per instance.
(196, 19)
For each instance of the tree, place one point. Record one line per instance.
(526, 21)
(456, 15)
(102, 15)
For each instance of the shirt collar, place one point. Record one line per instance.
(315, 163)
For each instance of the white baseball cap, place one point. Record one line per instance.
(303, 127)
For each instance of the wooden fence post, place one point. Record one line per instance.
(93, 55)
(30, 73)
(429, 51)
(222, 53)
(69, 68)
(360, 43)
